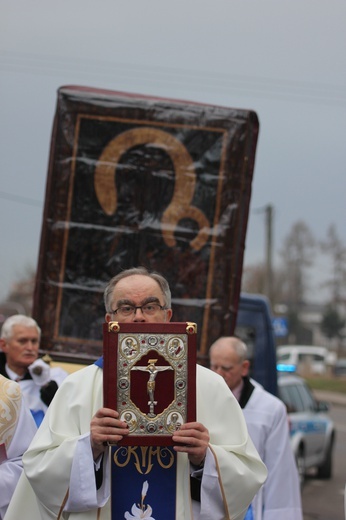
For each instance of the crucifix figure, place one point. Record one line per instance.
(153, 370)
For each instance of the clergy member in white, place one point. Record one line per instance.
(70, 449)
(267, 423)
(17, 428)
(19, 344)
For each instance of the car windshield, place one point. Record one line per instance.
(296, 397)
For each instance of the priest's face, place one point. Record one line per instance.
(225, 361)
(138, 298)
(21, 348)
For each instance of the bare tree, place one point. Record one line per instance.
(333, 247)
(297, 255)
(20, 297)
(254, 279)
(332, 323)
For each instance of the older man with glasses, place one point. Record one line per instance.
(67, 464)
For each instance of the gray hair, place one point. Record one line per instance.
(17, 319)
(234, 343)
(164, 286)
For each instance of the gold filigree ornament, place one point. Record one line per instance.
(10, 402)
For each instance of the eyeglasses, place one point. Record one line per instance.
(224, 369)
(148, 309)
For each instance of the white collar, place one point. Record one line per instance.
(12, 374)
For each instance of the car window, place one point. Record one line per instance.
(283, 357)
(297, 397)
(290, 395)
(303, 358)
(307, 398)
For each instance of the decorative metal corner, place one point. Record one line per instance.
(191, 328)
(113, 326)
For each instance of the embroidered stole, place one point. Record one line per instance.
(10, 402)
(143, 482)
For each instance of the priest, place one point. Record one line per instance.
(218, 470)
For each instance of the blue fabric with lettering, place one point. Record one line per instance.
(133, 467)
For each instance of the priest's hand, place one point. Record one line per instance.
(193, 439)
(106, 427)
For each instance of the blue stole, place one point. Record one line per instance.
(143, 480)
(38, 415)
(99, 362)
(249, 513)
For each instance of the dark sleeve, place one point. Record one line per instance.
(48, 392)
(195, 487)
(99, 475)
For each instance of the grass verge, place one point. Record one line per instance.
(329, 384)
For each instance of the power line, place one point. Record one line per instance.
(273, 88)
(20, 199)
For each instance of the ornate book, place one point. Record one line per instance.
(150, 378)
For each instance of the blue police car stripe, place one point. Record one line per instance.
(311, 427)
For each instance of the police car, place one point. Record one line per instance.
(312, 431)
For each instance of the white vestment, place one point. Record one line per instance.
(17, 428)
(32, 392)
(267, 422)
(59, 461)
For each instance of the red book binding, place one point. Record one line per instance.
(150, 378)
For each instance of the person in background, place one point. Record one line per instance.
(267, 423)
(17, 429)
(19, 343)
(67, 469)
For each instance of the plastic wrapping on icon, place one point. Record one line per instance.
(135, 180)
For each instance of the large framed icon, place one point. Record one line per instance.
(150, 378)
(138, 180)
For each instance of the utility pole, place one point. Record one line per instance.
(269, 252)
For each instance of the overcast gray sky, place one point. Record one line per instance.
(283, 59)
